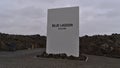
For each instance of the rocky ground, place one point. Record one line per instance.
(27, 59)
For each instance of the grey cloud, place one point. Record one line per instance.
(30, 12)
(30, 16)
(99, 17)
(51, 1)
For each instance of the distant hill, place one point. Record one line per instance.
(103, 45)
(18, 42)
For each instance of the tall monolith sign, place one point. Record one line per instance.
(63, 31)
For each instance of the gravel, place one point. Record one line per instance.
(27, 59)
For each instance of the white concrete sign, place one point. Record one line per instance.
(63, 31)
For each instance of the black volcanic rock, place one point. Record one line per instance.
(62, 56)
(102, 45)
(10, 42)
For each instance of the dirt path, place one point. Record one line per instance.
(26, 59)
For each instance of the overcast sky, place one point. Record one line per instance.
(30, 16)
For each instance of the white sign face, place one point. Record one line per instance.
(63, 31)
